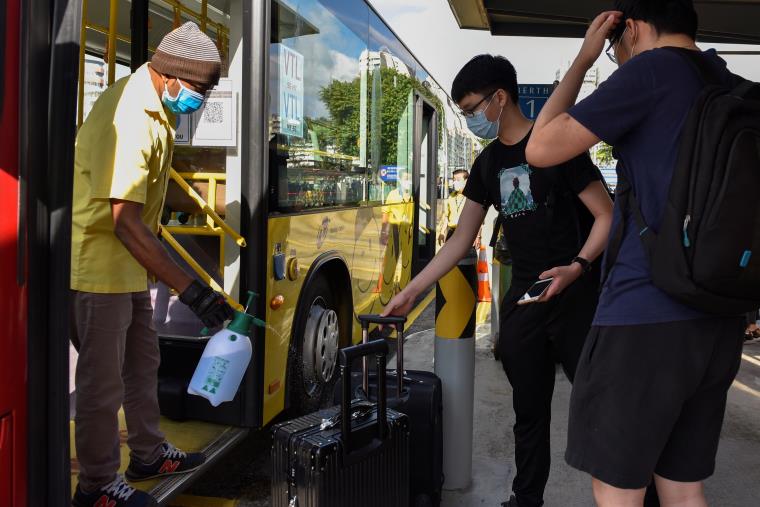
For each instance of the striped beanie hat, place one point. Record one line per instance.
(189, 54)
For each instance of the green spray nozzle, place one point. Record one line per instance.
(251, 296)
(242, 321)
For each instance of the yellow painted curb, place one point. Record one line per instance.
(201, 501)
(483, 312)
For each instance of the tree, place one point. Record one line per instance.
(343, 98)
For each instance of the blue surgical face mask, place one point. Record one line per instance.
(481, 126)
(187, 101)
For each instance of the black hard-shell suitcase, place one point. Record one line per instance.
(331, 459)
(421, 400)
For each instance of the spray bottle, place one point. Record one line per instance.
(225, 359)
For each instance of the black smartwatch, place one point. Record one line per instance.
(585, 265)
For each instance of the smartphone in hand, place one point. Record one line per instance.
(535, 292)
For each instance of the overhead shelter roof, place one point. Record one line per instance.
(733, 21)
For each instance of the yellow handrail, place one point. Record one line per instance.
(204, 15)
(112, 23)
(82, 42)
(198, 16)
(206, 208)
(166, 235)
(119, 37)
(202, 176)
(113, 36)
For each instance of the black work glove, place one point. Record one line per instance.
(207, 304)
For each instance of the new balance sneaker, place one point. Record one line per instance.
(116, 494)
(171, 461)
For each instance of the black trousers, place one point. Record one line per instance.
(532, 340)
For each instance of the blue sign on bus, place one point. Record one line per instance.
(533, 97)
(388, 173)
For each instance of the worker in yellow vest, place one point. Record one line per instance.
(453, 208)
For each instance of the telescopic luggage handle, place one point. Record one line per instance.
(347, 356)
(398, 323)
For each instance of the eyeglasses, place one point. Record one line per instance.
(610, 50)
(471, 112)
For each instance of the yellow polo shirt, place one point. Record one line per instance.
(398, 207)
(123, 151)
(454, 206)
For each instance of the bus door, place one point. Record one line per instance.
(425, 182)
(201, 223)
(38, 47)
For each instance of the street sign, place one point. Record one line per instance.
(389, 173)
(533, 97)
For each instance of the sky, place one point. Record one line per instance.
(429, 29)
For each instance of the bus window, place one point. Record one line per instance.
(392, 77)
(317, 126)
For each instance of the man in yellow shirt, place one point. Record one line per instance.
(453, 209)
(122, 160)
(396, 236)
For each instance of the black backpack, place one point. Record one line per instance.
(707, 251)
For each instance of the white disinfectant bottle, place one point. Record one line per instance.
(225, 359)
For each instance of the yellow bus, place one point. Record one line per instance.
(312, 176)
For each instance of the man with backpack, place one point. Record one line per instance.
(556, 223)
(650, 390)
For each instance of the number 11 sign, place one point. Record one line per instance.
(533, 97)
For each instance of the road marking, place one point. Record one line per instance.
(202, 501)
(417, 311)
(750, 359)
(746, 389)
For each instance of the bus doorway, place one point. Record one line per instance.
(425, 183)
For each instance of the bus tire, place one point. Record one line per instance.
(313, 367)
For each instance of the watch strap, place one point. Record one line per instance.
(585, 264)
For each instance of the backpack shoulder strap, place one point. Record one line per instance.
(626, 198)
(746, 89)
(706, 72)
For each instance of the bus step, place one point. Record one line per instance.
(172, 486)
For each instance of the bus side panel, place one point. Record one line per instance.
(353, 235)
(13, 382)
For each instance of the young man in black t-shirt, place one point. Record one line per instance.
(653, 380)
(556, 224)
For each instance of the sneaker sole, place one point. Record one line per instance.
(132, 478)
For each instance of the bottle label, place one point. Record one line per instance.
(214, 375)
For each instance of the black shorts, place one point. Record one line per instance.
(650, 399)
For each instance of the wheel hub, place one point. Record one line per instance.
(321, 344)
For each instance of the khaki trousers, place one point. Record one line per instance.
(118, 365)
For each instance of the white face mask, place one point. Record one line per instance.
(459, 185)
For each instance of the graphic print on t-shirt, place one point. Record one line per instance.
(516, 197)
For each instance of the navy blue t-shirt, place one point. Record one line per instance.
(640, 111)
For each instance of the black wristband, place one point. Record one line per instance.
(193, 292)
(585, 264)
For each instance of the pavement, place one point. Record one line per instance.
(241, 479)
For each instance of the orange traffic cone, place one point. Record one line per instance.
(484, 286)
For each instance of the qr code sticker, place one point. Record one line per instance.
(213, 112)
